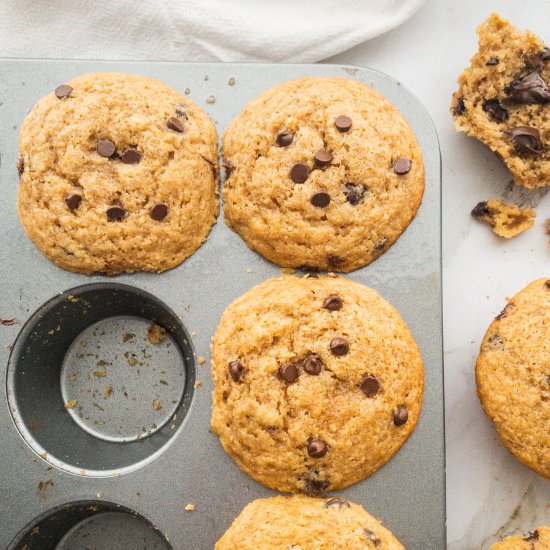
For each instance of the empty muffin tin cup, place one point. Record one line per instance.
(90, 524)
(100, 379)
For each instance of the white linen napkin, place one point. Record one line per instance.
(194, 30)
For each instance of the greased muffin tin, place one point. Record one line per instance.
(85, 465)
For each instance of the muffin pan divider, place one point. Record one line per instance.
(182, 462)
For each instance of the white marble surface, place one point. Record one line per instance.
(489, 493)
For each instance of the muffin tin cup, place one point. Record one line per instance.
(100, 379)
(90, 524)
(154, 461)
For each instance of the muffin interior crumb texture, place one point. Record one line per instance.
(503, 99)
(507, 220)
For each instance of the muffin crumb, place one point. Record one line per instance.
(506, 219)
(156, 334)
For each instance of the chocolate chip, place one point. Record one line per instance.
(369, 386)
(333, 303)
(284, 139)
(381, 244)
(355, 193)
(532, 536)
(20, 165)
(371, 536)
(480, 210)
(288, 372)
(504, 312)
(545, 54)
(228, 167)
(312, 365)
(106, 148)
(335, 261)
(299, 173)
(343, 123)
(116, 213)
(492, 61)
(526, 140)
(402, 166)
(317, 448)
(73, 201)
(63, 91)
(495, 110)
(460, 107)
(337, 502)
(400, 416)
(130, 156)
(159, 212)
(547, 283)
(339, 345)
(322, 158)
(320, 200)
(175, 124)
(316, 486)
(236, 369)
(529, 89)
(8, 322)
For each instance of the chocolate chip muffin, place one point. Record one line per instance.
(117, 173)
(321, 172)
(305, 522)
(503, 97)
(317, 383)
(513, 375)
(507, 220)
(537, 540)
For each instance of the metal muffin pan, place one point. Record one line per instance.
(117, 466)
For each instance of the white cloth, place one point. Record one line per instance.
(194, 30)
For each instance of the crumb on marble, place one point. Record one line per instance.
(506, 219)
